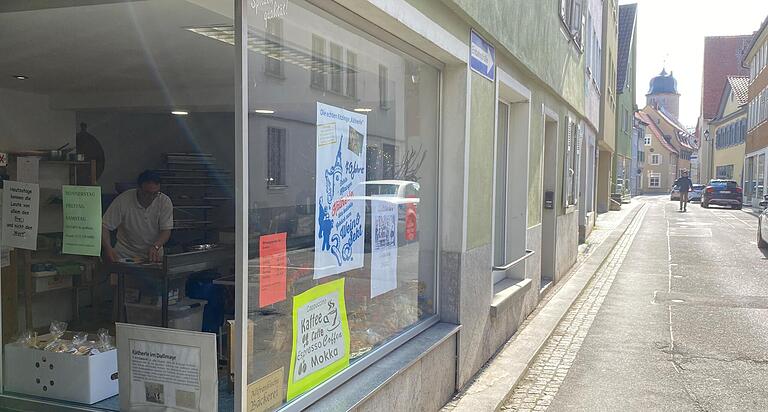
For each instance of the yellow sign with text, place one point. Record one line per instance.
(320, 337)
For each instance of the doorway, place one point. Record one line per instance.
(549, 214)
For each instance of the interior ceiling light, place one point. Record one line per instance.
(20, 77)
(264, 111)
(363, 110)
(180, 112)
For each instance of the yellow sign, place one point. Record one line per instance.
(266, 394)
(320, 337)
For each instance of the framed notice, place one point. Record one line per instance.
(166, 369)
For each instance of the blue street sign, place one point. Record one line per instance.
(482, 56)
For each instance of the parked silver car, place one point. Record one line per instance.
(762, 225)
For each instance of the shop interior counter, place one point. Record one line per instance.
(173, 267)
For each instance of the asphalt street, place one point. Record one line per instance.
(675, 320)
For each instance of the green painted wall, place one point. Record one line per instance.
(531, 31)
(480, 188)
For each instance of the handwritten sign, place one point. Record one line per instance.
(320, 337)
(21, 210)
(266, 394)
(82, 220)
(272, 269)
(340, 176)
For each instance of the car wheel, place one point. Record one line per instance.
(762, 244)
(704, 205)
(737, 207)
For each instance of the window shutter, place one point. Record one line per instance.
(567, 161)
(577, 166)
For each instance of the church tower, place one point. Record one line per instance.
(663, 94)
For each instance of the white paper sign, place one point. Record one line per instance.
(28, 169)
(166, 369)
(383, 247)
(340, 173)
(21, 208)
(5, 252)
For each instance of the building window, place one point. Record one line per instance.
(571, 16)
(641, 157)
(571, 163)
(351, 74)
(654, 180)
(273, 58)
(724, 172)
(317, 75)
(648, 139)
(383, 85)
(275, 157)
(337, 85)
(384, 252)
(655, 159)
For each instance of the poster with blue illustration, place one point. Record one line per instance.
(339, 190)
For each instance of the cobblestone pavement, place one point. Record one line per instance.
(550, 368)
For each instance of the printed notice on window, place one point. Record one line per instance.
(165, 375)
(82, 220)
(21, 209)
(320, 337)
(272, 268)
(383, 247)
(340, 190)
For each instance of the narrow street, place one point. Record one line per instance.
(675, 319)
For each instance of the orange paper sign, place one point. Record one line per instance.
(272, 267)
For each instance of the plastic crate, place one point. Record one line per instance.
(186, 315)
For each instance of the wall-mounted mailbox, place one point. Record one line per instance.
(549, 199)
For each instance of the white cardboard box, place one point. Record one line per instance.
(63, 376)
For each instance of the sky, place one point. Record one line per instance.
(673, 31)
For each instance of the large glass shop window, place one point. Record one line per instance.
(342, 168)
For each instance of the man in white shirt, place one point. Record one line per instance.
(143, 218)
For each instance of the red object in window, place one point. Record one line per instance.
(410, 221)
(710, 190)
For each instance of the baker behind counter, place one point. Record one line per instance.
(143, 218)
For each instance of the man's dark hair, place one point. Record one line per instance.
(148, 176)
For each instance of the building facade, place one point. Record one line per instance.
(756, 58)
(723, 57)
(730, 130)
(606, 141)
(626, 91)
(661, 158)
(638, 155)
(419, 167)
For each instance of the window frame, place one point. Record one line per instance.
(656, 159)
(354, 24)
(651, 177)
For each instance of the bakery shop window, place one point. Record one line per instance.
(342, 258)
(117, 159)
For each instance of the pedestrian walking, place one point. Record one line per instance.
(684, 185)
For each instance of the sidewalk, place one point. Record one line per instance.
(493, 384)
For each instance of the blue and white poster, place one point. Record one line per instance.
(340, 190)
(383, 246)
